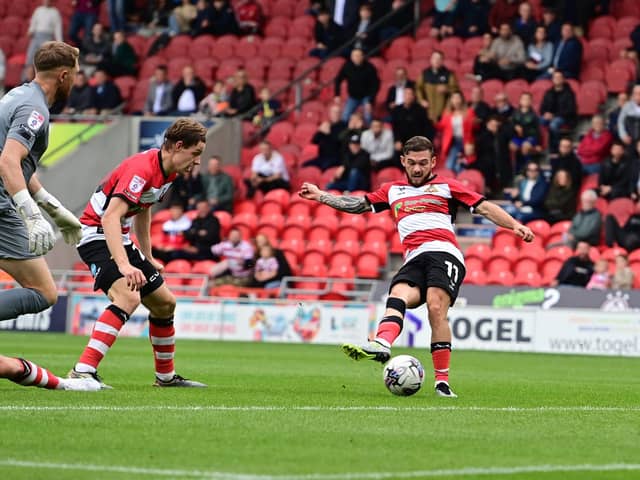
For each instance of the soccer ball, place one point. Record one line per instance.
(403, 375)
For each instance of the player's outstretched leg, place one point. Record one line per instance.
(379, 349)
(161, 304)
(26, 373)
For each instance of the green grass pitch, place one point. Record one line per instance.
(285, 412)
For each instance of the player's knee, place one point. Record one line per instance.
(9, 367)
(164, 309)
(50, 295)
(128, 301)
(437, 307)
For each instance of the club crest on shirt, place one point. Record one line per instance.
(35, 121)
(136, 184)
(431, 189)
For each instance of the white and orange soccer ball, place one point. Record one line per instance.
(403, 375)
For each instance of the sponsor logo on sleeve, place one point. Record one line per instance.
(136, 184)
(35, 121)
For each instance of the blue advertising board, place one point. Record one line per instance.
(151, 131)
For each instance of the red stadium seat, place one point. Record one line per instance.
(536, 253)
(611, 253)
(618, 77)
(322, 246)
(275, 220)
(294, 245)
(531, 279)
(526, 265)
(621, 209)
(550, 269)
(203, 266)
(501, 277)
(374, 235)
(514, 89)
(540, 228)
(280, 133)
(279, 196)
(389, 174)
(592, 95)
(382, 221)
(602, 27)
(356, 222)
(423, 48)
(450, 47)
(473, 263)
(303, 134)
(380, 249)
(368, 266)
(490, 88)
(496, 264)
(319, 232)
(561, 253)
(178, 266)
(179, 46)
(473, 179)
(476, 277)
(506, 251)
(503, 237)
(399, 49)
(481, 251)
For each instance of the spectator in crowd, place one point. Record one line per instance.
(567, 56)
(409, 120)
(45, 25)
(600, 279)
(621, 100)
(188, 92)
(398, 20)
(96, 47)
(116, 9)
(202, 24)
(157, 19)
(266, 273)
(181, 18)
(327, 35)
(507, 51)
(173, 233)
(243, 96)
(502, 11)
(552, 25)
(159, 99)
(284, 269)
(217, 186)
(236, 266)
(355, 173)
(629, 119)
(484, 68)
(268, 109)
(626, 236)
(123, 57)
(366, 37)
(457, 125)
(395, 93)
(473, 18)
(567, 160)
(528, 197)
(524, 26)
(268, 171)
(576, 270)
(201, 235)
(526, 131)
(106, 94)
(85, 14)
(622, 278)
(250, 17)
(560, 203)
(327, 138)
(223, 19)
(594, 146)
(587, 223)
(377, 141)
(444, 18)
(435, 85)
(481, 109)
(362, 85)
(344, 13)
(354, 127)
(502, 107)
(492, 155)
(81, 96)
(558, 109)
(187, 189)
(216, 102)
(539, 56)
(616, 175)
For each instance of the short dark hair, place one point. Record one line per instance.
(162, 67)
(417, 144)
(53, 55)
(187, 130)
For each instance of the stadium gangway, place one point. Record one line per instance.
(353, 289)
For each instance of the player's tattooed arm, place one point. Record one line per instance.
(346, 203)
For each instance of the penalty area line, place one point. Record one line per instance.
(311, 408)
(461, 472)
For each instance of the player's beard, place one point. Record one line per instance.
(62, 94)
(418, 181)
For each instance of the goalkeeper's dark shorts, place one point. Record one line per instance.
(105, 271)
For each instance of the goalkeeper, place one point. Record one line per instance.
(25, 236)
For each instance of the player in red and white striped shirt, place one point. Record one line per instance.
(424, 209)
(126, 273)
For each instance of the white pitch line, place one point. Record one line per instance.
(212, 475)
(310, 408)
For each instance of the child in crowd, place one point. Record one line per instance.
(600, 279)
(266, 270)
(623, 275)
